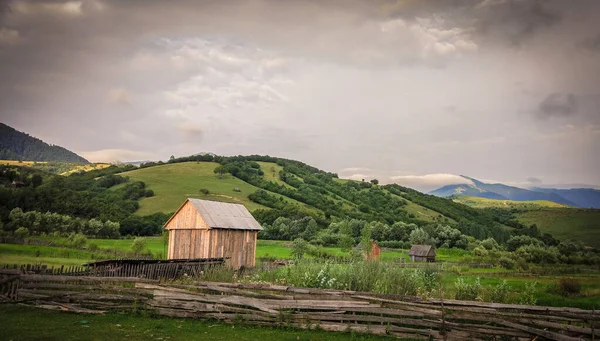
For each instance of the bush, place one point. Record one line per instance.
(138, 245)
(500, 292)
(93, 247)
(569, 286)
(299, 248)
(466, 291)
(528, 295)
(204, 191)
(21, 232)
(77, 240)
(507, 263)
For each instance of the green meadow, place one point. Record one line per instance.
(569, 223)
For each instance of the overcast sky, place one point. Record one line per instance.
(409, 91)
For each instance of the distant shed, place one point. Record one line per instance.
(212, 229)
(422, 253)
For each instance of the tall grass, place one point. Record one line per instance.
(369, 276)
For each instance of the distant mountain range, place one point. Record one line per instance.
(576, 197)
(16, 145)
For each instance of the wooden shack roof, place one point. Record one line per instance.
(421, 250)
(223, 215)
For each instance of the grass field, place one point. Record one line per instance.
(173, 183)
(53, 325)
(510, 204)
(568, 223)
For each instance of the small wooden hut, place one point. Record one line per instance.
(212, 229)
(422, 253)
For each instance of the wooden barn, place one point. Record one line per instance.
(212, 229)
(422, 253)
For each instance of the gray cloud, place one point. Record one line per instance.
(592, 44)
(558, 104)
(397, 87)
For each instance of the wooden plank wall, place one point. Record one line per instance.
(237, 245)
(187, 218)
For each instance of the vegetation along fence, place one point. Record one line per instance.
(274, 305)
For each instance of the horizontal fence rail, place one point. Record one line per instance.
(275, 305)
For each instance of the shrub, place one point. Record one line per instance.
(480, 251)
(299, 248)
(21, 232)
(138, 245)
(500, 292)
(569, 286)
(539, 254)
(92, 247)
(507, 263)
(204, 191)
(467, 291)
(528, 295)
(77, 240)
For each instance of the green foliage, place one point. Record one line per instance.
(139, 245)
(539, 254)
(528, 295)
(299, 248)
(204, 191)
(49, 223)
(21, 232)
(516, 242)
(359, 276)
(77, 240)
(419, 236)
(507, 263)
(468, 291)
(500, 293)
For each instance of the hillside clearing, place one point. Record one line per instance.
(175, 182)
(566, 223)
(510, 204)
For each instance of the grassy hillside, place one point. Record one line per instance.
(509, 204)
(173, 183)
(567, 223)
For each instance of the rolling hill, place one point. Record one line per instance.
(172, 183)
(499, 191)
(16, 145)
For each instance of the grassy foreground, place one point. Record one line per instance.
(53, 325)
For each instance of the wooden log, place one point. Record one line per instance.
(539, 332)
(42, 278)
(560, 326)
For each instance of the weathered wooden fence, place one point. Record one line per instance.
(273, 305)
(141, 268)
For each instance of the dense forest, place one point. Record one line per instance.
(15, 145)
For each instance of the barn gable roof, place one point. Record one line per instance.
(223, 215)
(421, 250)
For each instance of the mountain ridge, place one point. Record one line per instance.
(577, 197)
(17, 145)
